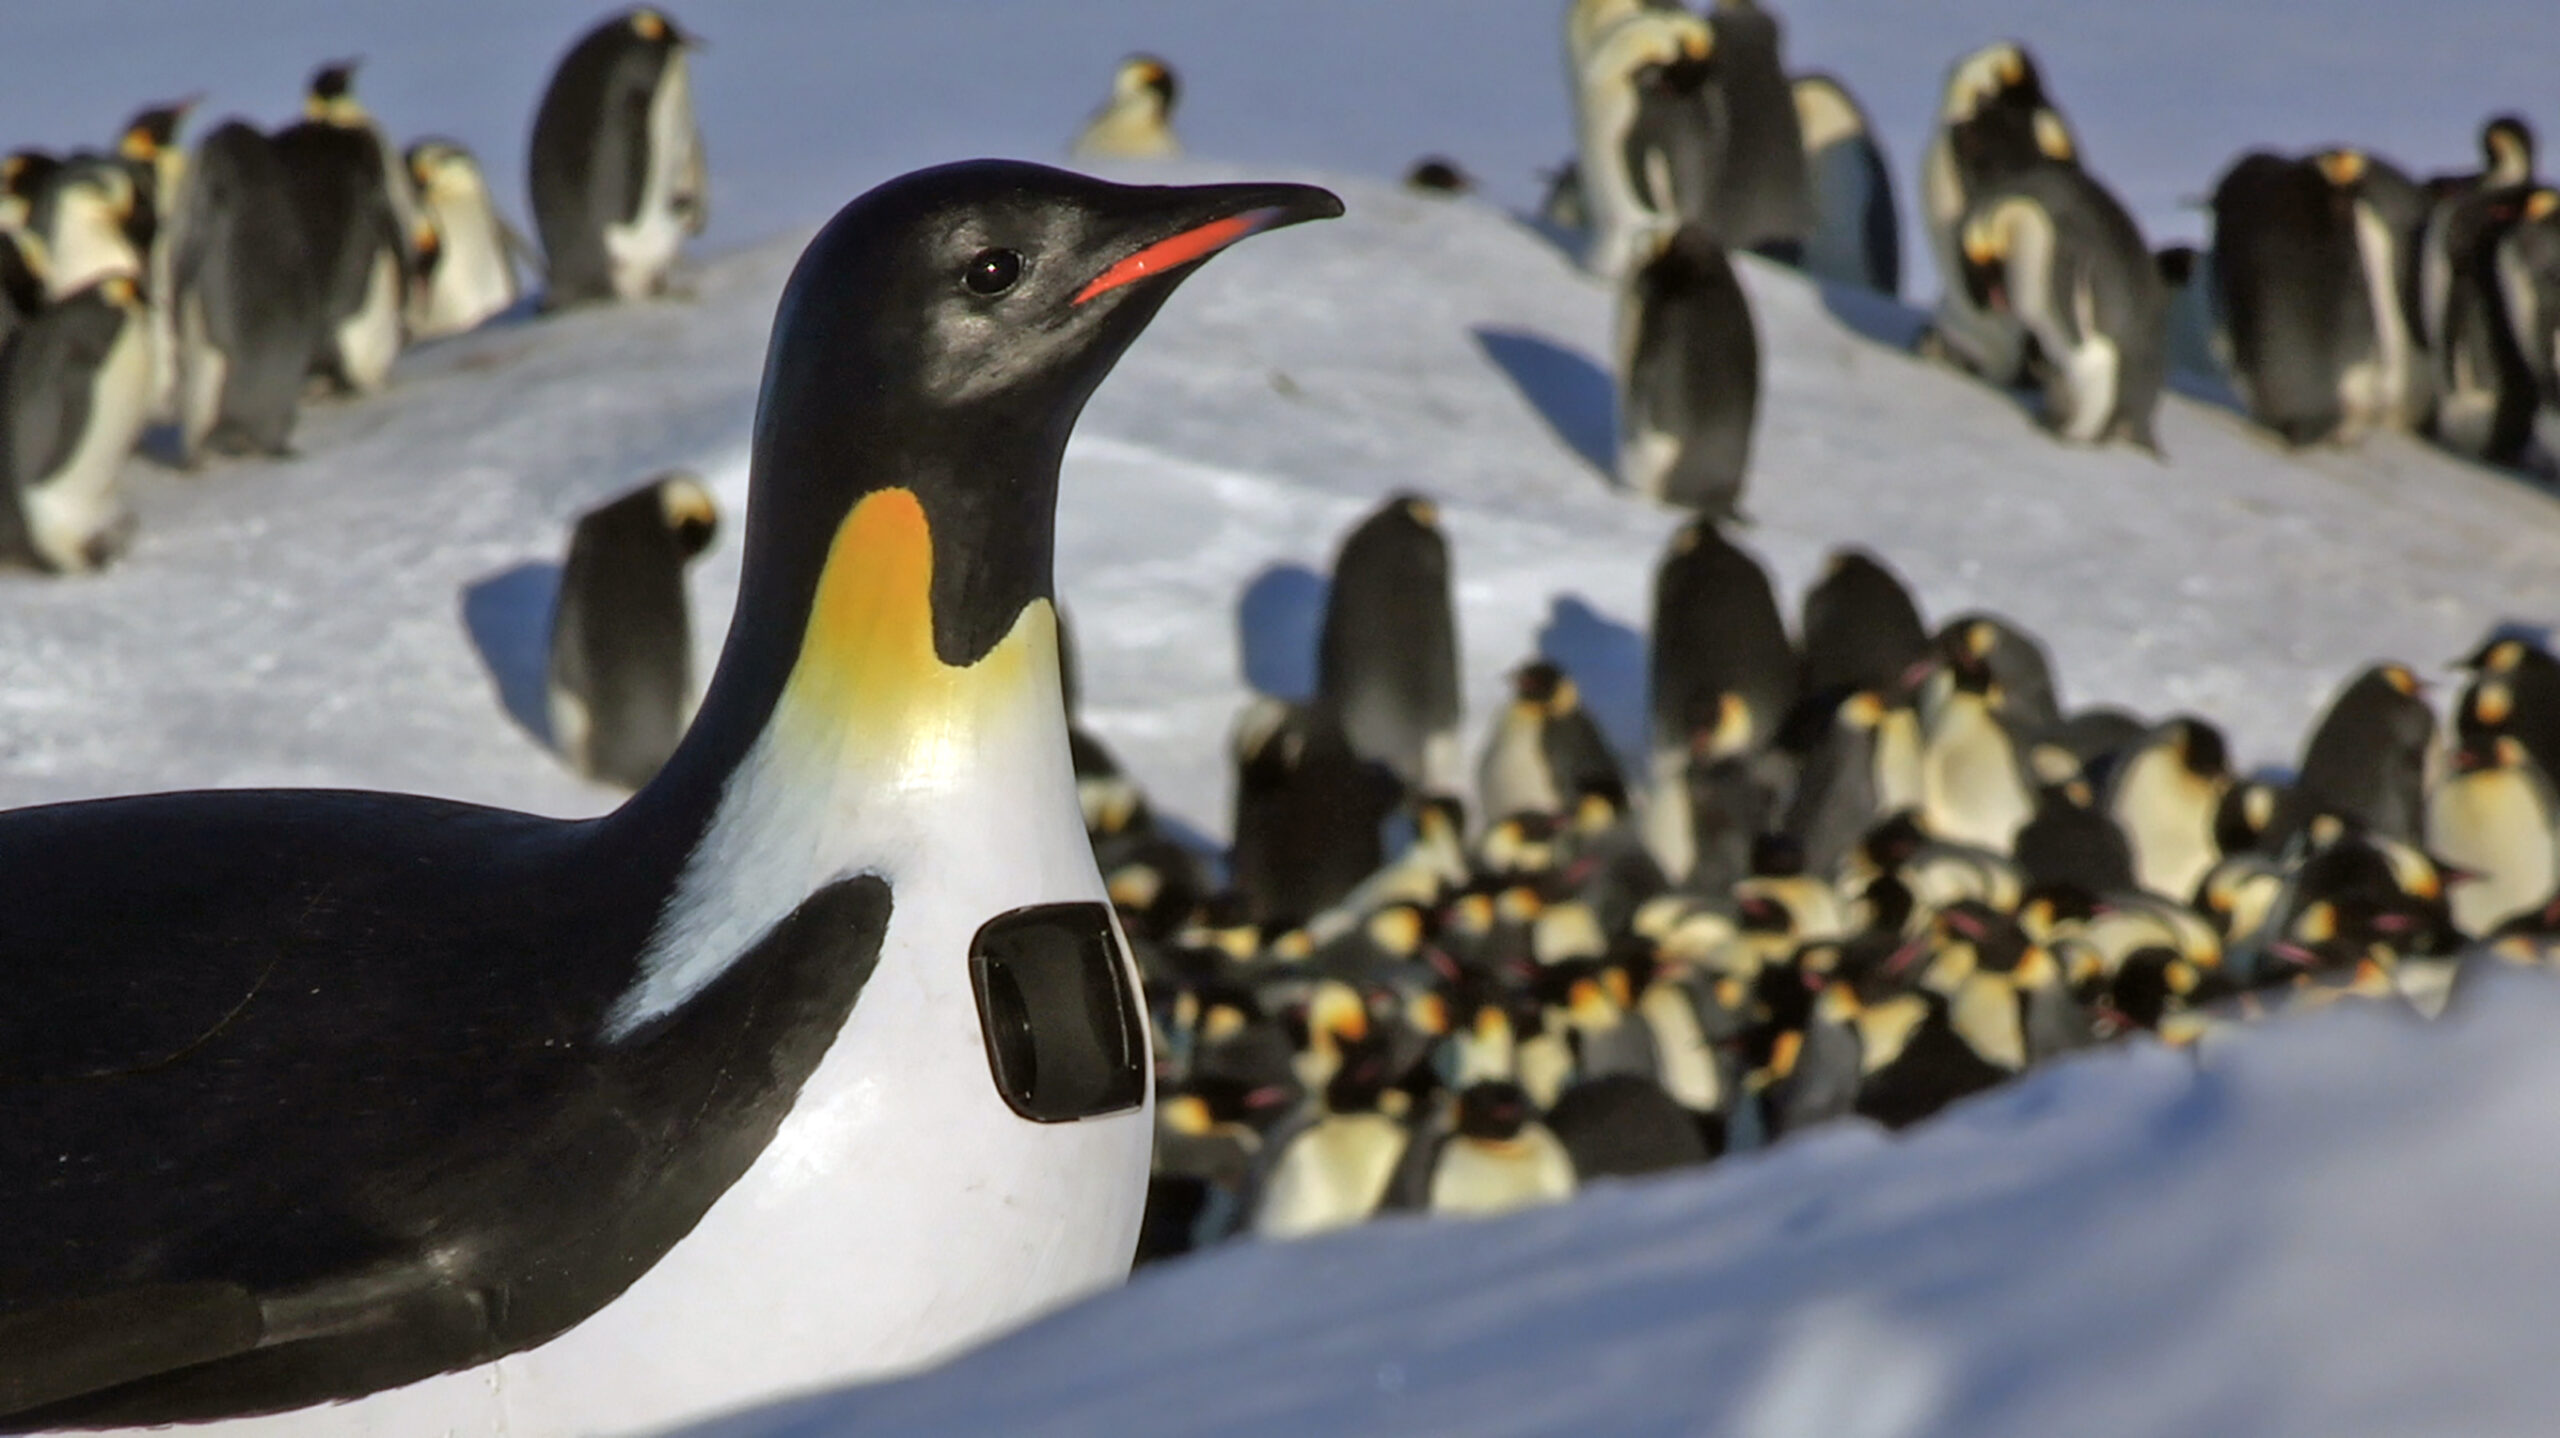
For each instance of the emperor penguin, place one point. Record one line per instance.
(2484, 388)
(1760, 202)
(1625, 207)
(2396, 390)
(2495, 818)
(1307, 812)
(466, 251)
(1585, 21)
(1497, 1156)
(1720, 664)
(2366, 761)
(2165, 796)
(617, 168)
(620, 684)
(94, 223)
(1854, 232)
(75, 396)
(2053, 247)
(819, 1058)
(1862, 629)
(1839, 790)
(1994, 122)
(1136, 123)
(1546, 750)
(1688, 376)
(2529, 674)
(2015, 661)
(1387, 658)
(149, 147)
(247, 303)
(1974, 784)
(2527, 262)
(354, 207)
(2290, 281)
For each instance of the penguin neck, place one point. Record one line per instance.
(873, 712)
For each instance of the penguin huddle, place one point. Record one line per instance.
(211, 292)
(1872, 867)
(2352, 297)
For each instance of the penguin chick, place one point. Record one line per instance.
(1136, 122)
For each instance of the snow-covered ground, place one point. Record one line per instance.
(2343, 1228)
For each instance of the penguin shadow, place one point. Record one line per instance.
(1607, 661)
(1279, 624)
(508, 616)
(1577, 398)
(1873, 314)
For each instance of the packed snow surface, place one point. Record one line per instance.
(2342, 1226)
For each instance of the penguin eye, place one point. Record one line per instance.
(992, 272)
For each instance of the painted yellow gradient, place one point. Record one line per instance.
(868, 676)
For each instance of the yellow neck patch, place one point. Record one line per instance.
(867, 664)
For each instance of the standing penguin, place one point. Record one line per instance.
(2051, 246)
(466, 253)
(1497, 1156)
(1855, 231)
(2165, 796)
(2290, 280)
(1994, 122)
(617, 166)
(1623, 207)
(1688, 376)
(2527, 262)
(620, 684)
(1759, 202)
(1307, 812)
(2530, 676)
(1720, 664)
(1136, 123)
(1546, 750)
(247, 303)
(818, 1059)
(75, 394)
(2389, 211)
(2495, 818)
(1862, 630)
(93, 222)
(1973, 778)
(1387, 664)
(2484, 387)
(2366, 761)
(354, 230)
(149, 146)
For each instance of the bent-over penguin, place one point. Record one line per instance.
(620, 685)
(1720, 664)
(1387, 661)
(617, 166)
(1688, 376)
(1624, 206)
(2053, 247)
(820, 1056)
(1994, 122)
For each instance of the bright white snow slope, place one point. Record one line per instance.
(360, 615)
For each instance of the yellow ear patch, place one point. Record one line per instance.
(2343, 167)
(649, 25)
(2542, 205)
(2052, 136)
(867, 668)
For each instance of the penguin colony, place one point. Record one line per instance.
(213, 292)
(1865, 866)
(1873, 866)
(2338, 295)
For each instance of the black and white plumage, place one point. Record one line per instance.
(619, 688)
(2290, 281)
(1623, 206)
(75, 396)
(1994, 122)
(1759, 202)
(2051, 246)
(1136, 122)
(248, 306)
(466, 250)
(1387, 659)
(1688, 376)
(617, 168)
(352, 196)
(1855, 234)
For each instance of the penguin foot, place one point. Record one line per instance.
(109, 544)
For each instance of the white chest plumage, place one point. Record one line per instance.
(641, 252)
(79, 502)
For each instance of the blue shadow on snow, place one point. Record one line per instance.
(1607, 662)
(1577, 398)
(508, 615)
(1279, 624)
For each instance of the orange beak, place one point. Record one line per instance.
(1197, 243)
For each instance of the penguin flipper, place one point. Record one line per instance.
(76, 1347)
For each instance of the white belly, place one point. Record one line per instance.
(81, 501)
(369, 339)
(640, 254)
(473, 279)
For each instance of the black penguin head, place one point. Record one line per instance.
(942, 333)
(1438, 175)
(1149, 74)
(688, 511)
(331, 99)
(2202, 750)
(155, 129)
(2506, 149)
(1493, 1111)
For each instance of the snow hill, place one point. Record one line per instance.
(2342, 1227)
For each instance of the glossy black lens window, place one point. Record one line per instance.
(1060, 1022)
(992, 272)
